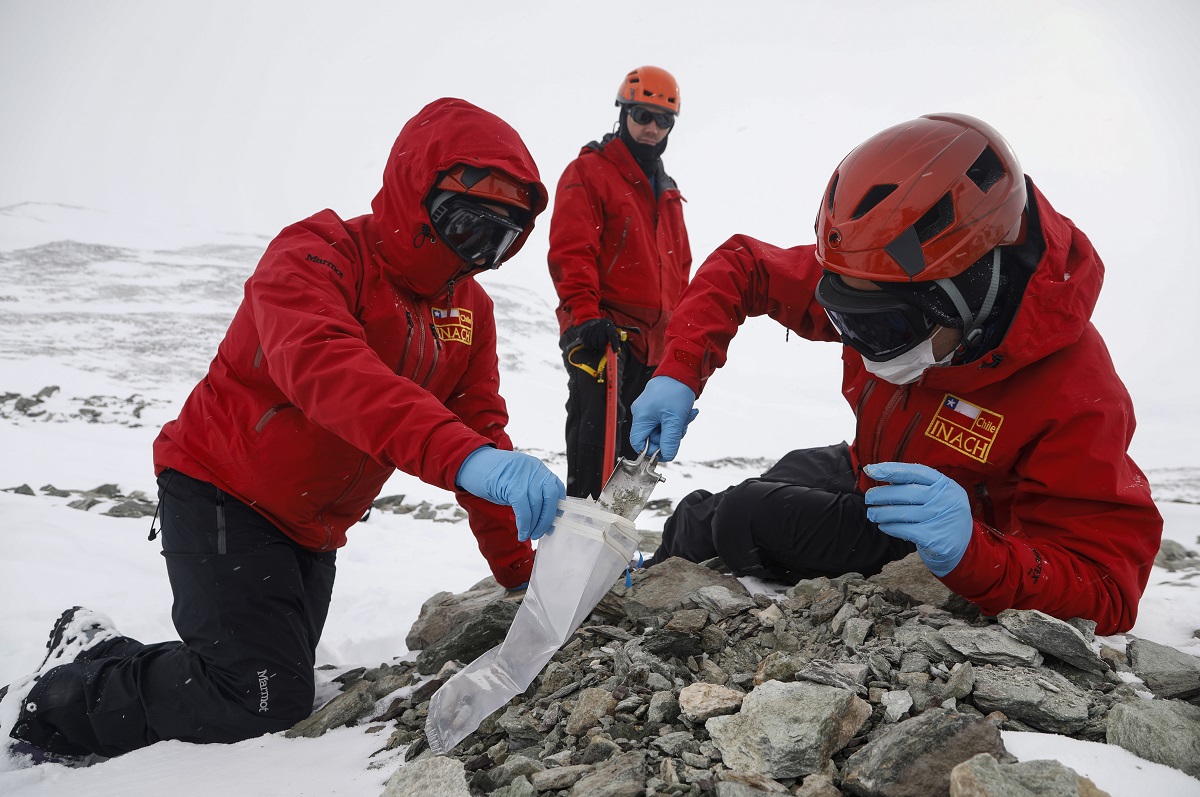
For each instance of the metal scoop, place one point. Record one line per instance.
(630, 485)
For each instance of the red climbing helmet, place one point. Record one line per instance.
(921, 201)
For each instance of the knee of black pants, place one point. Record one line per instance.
(687, 533)
(734, 535)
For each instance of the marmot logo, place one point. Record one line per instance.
(262, 691)
(324, 262)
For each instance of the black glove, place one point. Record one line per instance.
(596, 333)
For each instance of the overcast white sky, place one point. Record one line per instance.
(239, 116)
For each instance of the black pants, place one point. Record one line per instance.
(586, 416)
(803, 518)
(249, 606)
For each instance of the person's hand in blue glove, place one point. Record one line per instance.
(516, 480)
(661, 416)
(924, 507)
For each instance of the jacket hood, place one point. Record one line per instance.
(445, 132)
(1055, 310)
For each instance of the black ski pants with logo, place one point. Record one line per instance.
(803, 518)
(249, 607)
(587, 417)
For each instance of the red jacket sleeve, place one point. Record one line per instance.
(575, 246)
(743, 278)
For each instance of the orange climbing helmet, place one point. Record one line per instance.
(650, 85)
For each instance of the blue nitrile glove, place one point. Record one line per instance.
(516, 480)
(924, 507)
(661, 415)
(596, 333)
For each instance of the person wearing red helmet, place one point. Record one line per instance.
(620, 259)
(992, 429)
(362, 347)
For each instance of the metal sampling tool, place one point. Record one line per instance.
(630, 485)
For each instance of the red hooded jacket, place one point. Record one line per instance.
(349, 357)
(1036, 432)
(617, 251)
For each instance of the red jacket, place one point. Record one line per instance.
(348, 358)
(616, 251)
(1037, 431)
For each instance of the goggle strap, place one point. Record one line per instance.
(971, 324)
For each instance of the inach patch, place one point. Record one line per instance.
(965, 427)
(453, 324)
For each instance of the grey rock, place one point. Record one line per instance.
(1173, 557)
(622, 776)
(344, 709)
(984, 776)
(1041, 699)
(130, 508)
(475, 636)
(666, 587)
(591, 705)
(556, 778)
(1168, 672)
(915, 757)
(786, 730)
(928, 641)
(1053, 637)
(1165, 731)
(990, 645)
(446, 611)
(435, 776)
(908, 580)
(721, 601)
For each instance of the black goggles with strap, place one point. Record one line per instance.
(642, 115)
(875, 324)
(474, 231)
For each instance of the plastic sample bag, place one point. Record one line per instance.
(576, 564)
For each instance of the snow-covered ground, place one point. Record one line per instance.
(149, 152)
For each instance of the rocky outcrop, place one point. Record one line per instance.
(686, 684)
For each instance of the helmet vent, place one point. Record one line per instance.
(935, 220)
(876, 195)
(986, 171)
(832, 187)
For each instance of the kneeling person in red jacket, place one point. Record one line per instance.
(992, 429)
(362, 346)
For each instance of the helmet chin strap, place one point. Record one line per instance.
(973, 325)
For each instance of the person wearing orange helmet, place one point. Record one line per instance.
(363, 346)
(620, 259)
(992, 429)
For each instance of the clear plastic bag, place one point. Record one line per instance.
(576, 564)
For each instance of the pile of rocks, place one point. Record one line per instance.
(48, 405)
(686, 684)
(108, 497)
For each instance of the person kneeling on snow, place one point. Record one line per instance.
(992, 429)
(362, 346)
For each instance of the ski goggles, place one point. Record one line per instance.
(475, 232)
(875, 324)
(642, 115)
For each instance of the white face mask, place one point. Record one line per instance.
(909, 366)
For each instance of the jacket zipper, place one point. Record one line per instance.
(269, 414)
(407, 342)
(900, 395)
(620, 248)
(908, 430)
(985, 505)
(437, 351)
